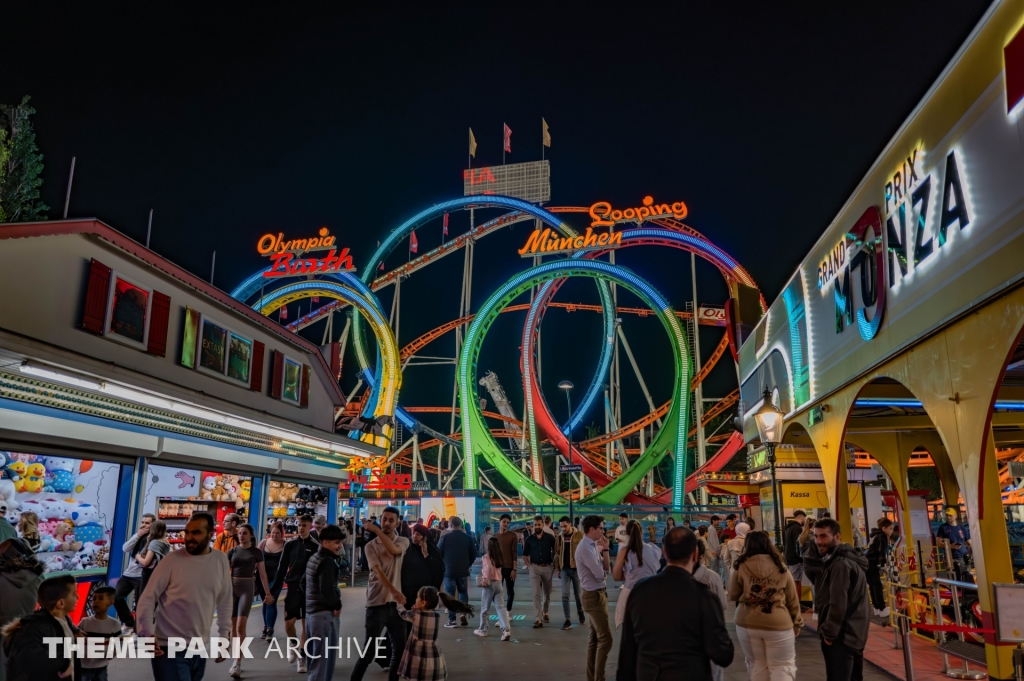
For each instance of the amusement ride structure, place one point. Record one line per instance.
(605, 472)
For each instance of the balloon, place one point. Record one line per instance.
(86, 466)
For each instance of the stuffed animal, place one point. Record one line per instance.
(246, 490)
(18, 471)
(66, 536)
(52, 508)
(54, 562)
(83, 513)
(34, 484)
(62, 473)
(103, 556)
(89, 532)
(209, 485)
(275, 491)
(47, 544)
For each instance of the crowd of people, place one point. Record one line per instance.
(671, 605)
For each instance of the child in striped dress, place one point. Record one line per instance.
(423, 659)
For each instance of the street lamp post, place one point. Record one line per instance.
(567, 386)
(769, 427)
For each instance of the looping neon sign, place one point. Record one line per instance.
(605, 216)
(377, 480)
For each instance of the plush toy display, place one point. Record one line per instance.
(62, 474)
(209, 486)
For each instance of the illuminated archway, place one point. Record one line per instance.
(384, 400)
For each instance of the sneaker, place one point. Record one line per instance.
(506, 634)
(236, 670)
(300, 666)
(882, 613)
(291, 655)
(263, 636)
(480, 632)
(567, 625)
(463, 621)
(583, 618)
(538, 624)
(497, 624)
(126, 630)
(814, 616)
(451, 625)
(546, 618)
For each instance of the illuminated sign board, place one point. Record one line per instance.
(377, 480)
(712, 314)
(547, 242)
(897, 242)
(286, 256)
(527, 181)
(605, 216)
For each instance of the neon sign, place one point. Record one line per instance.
(833, 264)
(605, 216)
(545, 242)
(286, 263)
(269, 244)
(377, 480)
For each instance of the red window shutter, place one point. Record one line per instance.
(276, 374)
(161, 314)
(94, 313)
(256, 371)
(304, 390)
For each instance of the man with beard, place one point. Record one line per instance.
(565, 565)
(539, 558)
(422, 566)
(187, 586)
(384, 593)
(841, 601)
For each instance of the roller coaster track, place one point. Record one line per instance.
(430, 336)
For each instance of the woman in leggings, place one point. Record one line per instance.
(246, 562)
(272, 547)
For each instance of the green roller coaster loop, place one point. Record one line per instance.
(476, 436)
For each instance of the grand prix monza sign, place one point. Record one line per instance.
(916, 228)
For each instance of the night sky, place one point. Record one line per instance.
(763, 117)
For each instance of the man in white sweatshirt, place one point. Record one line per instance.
(187, 586)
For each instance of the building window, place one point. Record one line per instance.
(128, 311)
(292, 384)
(224, 352)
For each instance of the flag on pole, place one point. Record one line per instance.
(284, 312)
(546, 133)
(508, 138)
(472, 144)
(414, 245)
(446, 224)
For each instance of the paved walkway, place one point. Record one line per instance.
(542, 654)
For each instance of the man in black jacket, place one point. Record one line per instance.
(290, 571)
(794, 552)
(841, 601)
(674, 628)
(458, 551)
(323, 603)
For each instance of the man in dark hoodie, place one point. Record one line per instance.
(841, 601)
(28, 657)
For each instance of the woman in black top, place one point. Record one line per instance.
(422, 566)
(272, 547)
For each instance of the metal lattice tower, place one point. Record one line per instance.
(504, 407)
